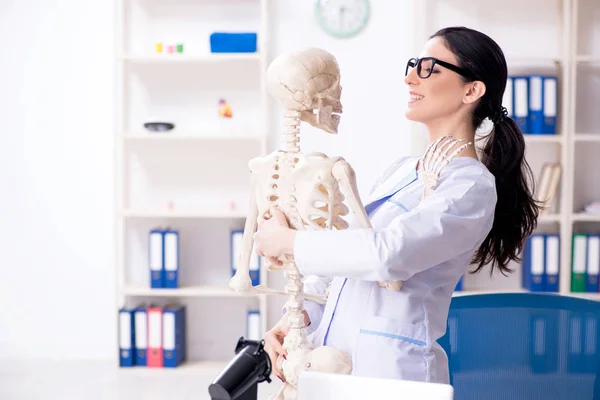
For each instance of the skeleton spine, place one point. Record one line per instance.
(291, 133)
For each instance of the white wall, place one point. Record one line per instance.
(373, 130)
(56, 175)
(56, 150)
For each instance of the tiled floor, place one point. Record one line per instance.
(97, 380)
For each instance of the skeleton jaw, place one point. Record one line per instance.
(326, 118)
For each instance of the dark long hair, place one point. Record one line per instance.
(517, 210)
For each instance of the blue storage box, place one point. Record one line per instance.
(222, 42)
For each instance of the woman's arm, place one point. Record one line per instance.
(447, 223)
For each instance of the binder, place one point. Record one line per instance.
(154, 355)
(579, 262)
(508, 98)
(536, 117)
(156, 258)
(550, 104)
(141, 336)
(521, 102)
(592, 263)
(126, 337)
(552, 262)
(171, 258)
(253, 330)
(174, 337)
(237, 244)
(534, 259)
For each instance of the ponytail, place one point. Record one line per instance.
(517, 210)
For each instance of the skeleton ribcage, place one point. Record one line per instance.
(301, 185)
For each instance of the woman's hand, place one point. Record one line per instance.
(274, 345)
(274, 237)
(274, 342)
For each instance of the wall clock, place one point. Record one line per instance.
(342, 18)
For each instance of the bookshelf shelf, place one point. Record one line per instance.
(583, 217)
(191, 137)
(587, 137)
(191, 59)
(522, 61)
(591, 59)
(188, 214)
(558, 139)
(192, 291)
(193, 179)
(549, 218)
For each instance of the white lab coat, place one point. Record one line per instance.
(427, 243)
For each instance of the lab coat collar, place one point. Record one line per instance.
(396, 182)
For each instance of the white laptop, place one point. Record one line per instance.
(324, 386)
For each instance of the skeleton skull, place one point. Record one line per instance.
(308, 81)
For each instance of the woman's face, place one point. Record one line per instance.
(442, 93)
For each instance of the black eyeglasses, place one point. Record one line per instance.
(425, 67)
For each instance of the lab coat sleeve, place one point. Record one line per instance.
(452, 220)
(315, 285)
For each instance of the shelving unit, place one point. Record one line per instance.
(585, 120)
(552, 22)
(194, 178)
(566, 34)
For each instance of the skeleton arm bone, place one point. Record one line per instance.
(241, 281)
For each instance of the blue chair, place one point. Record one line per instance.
(530, 346)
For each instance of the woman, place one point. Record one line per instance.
(480, 212)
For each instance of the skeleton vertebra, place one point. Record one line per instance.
(310, 189)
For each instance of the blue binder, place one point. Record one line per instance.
(141, 336)
(534, 259)
(171, 257)
(174, 335)
(521, 102)
(156, 258)
(509, 98)
(550, 104)
(542, 104)
(126, 337)
(536, 95)
(253, 329)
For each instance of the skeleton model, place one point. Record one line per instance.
(310, 190)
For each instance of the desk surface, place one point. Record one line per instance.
(313, 385)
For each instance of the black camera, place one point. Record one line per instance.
(240, 378)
